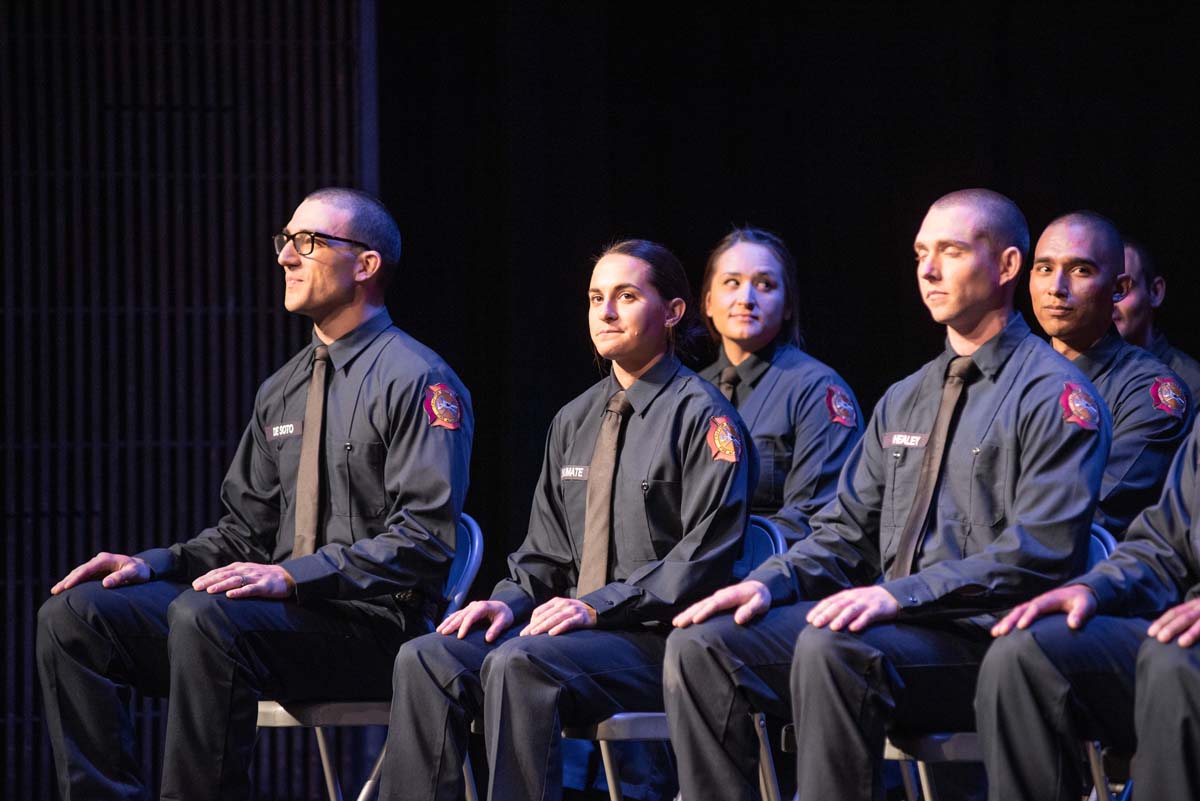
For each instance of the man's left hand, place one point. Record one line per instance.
(855, 609)
(1182, 621)
(247, 580)
(560, 615)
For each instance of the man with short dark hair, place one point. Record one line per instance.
(1134, 314)
(342, 506)
(972, 489)
(1078, 273)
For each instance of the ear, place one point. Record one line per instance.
(675, 310)
(369, 263)
(707, 303)
(1122, 287)
(1010, 264)
(1158, 291)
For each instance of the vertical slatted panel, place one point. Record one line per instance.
(147, 151)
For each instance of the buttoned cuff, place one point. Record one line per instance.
(610, 602)
(910, 592)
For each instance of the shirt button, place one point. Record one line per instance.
(349, 447)
(912, 599)
(975, 451)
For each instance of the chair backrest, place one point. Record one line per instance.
(468, 553)
(1100, 545)
(762, 540)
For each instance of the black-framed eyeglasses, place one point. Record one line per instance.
(305, 241)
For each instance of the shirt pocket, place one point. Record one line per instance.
(288, 461)
(975, 484)
(989, 484)
(650, 520)
(774, 462)
(902, 474)
(357, 479)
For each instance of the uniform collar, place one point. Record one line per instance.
(992, 355)
(753, 367)
(343, 350)
(1095, 359)
(651, 384)
(1158, 344)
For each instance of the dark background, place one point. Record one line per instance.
(148, 150)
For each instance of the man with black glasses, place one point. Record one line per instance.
(342, 504)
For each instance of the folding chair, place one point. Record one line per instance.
(317, 715)
(762, 540)
(922, 749)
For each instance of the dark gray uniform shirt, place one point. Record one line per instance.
(1184, 365)
(1158, 564)
(679, 510)
(1151, 415)
(1013, 507)
(394, 474)
(804, 420)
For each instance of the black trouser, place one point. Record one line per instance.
(1044, 690)
(213, 657)
(525, 689)
(842, 689)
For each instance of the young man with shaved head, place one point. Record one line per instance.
(972, 489)
(1134, 314)
(1078, 273)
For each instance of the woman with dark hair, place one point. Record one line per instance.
(638, 512)
(802, 415)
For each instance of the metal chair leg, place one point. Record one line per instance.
(768, 779)
(926, 782)
(331, 780)
(469, 780)
(611, 774)
(1096, 764)
(908, 771)
(371, 786)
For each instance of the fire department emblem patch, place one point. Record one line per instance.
(723, 440)
(1168, 397)
(442, 406)
(1078, 407)
(841, 408)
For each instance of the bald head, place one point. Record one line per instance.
(1106, 249)
(1078, 273)
(1002, 223)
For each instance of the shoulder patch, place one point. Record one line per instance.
(723, 440)
(1078, 407)
(841, 408)
(442, 406)
(1168, 397)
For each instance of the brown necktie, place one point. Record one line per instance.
(597, 527)
(728, 383)
(960, 372)
(308, 479)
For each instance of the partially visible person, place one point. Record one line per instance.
(1078, 274)
(1112, 656)
(639, 511)
(1134, 314)
(802, 415)
(972, 489)
(341, 514)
